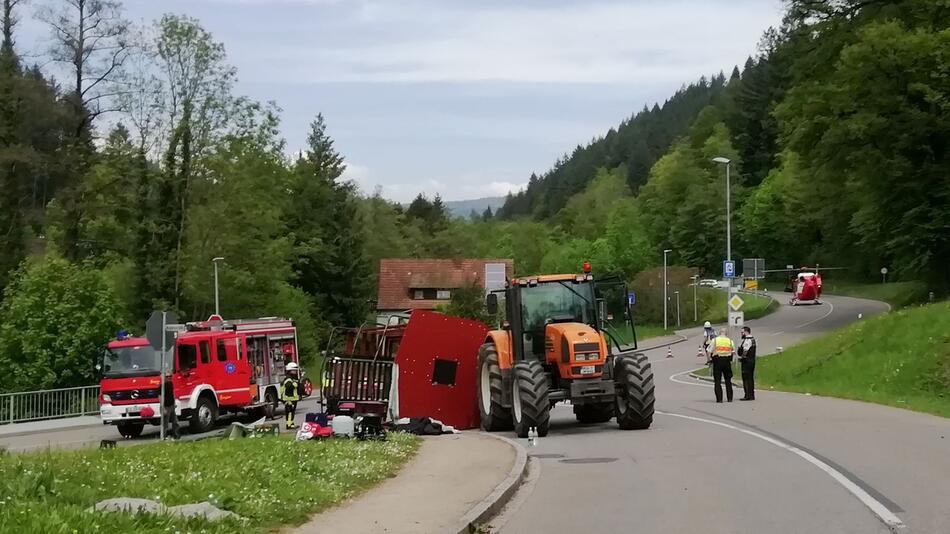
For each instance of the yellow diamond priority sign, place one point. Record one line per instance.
(736, 303)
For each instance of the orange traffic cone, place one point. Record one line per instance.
(669, 352)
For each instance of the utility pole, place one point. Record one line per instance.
(726, 161)
(695, 279)
(677, 309)
(217, 304)
(665, 317)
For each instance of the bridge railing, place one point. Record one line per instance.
(48, 404)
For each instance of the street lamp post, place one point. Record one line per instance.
(726, 162)
(665, 252)
(217, 304)
(695, 279)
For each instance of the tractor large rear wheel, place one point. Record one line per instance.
(635, 392)
(494, 415)
(530, 407)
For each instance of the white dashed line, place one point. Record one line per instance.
(882, 512)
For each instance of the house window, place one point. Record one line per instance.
(418, 294)
(443, 294)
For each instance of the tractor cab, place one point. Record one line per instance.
(566, 338)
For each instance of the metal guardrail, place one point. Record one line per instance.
(48, 404)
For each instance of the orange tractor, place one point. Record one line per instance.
(565, 338)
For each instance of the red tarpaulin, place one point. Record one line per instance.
(438, 359)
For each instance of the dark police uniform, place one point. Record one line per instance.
(747, 360)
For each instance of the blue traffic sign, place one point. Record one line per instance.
(729, 269)
(631, 298)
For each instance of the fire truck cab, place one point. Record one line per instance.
(216, 367)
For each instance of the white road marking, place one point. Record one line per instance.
(882, 512)
(673, 378)
(831, 309)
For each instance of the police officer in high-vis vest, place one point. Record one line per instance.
(722, 364)
(290, 393)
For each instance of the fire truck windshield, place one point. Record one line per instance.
(130, 361)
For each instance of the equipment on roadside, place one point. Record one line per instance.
(566, 338)
(423, 367)
(804, 282)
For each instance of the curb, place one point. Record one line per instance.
(493, 503)
(681, 339)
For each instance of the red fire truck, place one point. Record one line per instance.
(216, 367)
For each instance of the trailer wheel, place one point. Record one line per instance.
(204, 415)
(130, 430)
(270, 403)
(494, 415)
(530, 406)
(593, 413)
(635, 392)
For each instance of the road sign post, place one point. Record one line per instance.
(883, 275)
(729, 269)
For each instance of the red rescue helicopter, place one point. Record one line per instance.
(805, 283)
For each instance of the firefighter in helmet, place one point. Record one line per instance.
(290, 393)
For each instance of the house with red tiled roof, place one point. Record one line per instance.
(424, 284)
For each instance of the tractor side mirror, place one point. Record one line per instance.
(491, 302)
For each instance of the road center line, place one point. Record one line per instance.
(882, 512)
(831, 308)
(673, 378)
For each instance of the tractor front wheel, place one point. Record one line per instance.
(635, 392)
(494, 415)
(530, 406)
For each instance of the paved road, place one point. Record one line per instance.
(74, 438)
(784, 463)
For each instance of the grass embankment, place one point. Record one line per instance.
(268, 481)
(897, 294)
(900, 359)
(754, 307)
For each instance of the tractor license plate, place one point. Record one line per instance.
(587, 370)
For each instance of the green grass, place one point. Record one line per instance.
(897, 294)
(755, 307)
(268, 481)
(900, 359)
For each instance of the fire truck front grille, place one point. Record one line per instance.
(134, 395)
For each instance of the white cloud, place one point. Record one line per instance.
(602, 42)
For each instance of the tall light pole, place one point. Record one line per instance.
(695, 279)
(665, 252)
(217, 303)
(726, 162)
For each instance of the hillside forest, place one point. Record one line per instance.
(128, 162)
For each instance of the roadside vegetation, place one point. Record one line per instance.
(900, 359)
(268, 481)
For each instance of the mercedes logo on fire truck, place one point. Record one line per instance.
(135, 394)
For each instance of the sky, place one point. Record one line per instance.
(462, 98)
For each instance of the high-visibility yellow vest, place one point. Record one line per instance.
(290, 391)
(722, 346)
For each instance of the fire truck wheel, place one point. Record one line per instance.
(306, 388)
(530, 406)
(270, 404)
(131, 430)
(593, 413)
(635, 392)
(204, 415)
(494, 415)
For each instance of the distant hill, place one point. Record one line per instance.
(462, 208)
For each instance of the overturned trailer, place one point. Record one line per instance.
(424, 367)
